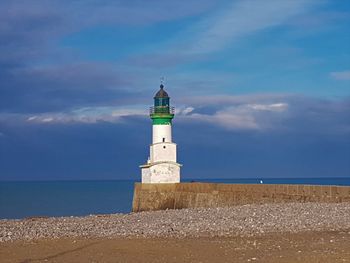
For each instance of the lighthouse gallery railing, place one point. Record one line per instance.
(162, 110)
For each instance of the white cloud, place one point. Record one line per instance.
(243, 18)
(32, 118)
(47, 119)
(184, 111)
(234, 112)
(87, 115)
(341, 75)
(263, 98)
(254, 112)
(239, 114)
(233, 119)
(269, 107)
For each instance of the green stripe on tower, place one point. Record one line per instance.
(162, 119)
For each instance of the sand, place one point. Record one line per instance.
(298, 247)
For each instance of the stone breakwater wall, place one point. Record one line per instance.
(194, 195)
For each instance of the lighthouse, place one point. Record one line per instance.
(161, 166)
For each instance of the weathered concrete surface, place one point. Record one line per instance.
(192, 195)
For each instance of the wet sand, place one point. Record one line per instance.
(325, 246)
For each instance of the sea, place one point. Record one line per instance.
(81, 198)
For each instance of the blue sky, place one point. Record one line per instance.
(261, 88)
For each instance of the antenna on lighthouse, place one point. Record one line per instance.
(161, 81)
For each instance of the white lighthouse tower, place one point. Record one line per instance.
(161, 166)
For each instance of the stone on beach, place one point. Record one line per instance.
(245, 220)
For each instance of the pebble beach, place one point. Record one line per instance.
(243, 221)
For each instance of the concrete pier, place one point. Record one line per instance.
(193, 195)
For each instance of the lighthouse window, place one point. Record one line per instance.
(163, 139)
(161, 102)
(164, 147)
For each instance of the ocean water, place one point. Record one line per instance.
(78, 198)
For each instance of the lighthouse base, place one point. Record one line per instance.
(160, 172)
